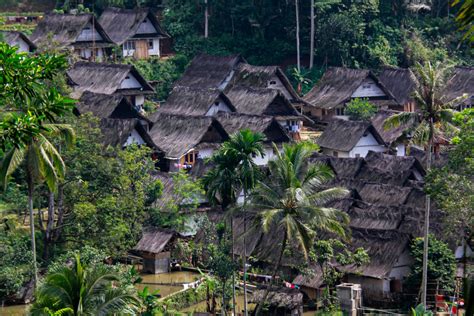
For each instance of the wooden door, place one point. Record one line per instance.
(141, 49)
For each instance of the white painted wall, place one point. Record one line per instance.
(146, 27)
(365, 144)
(134, 138)
(401, 150)
(401, 268)
(276, 83)
(368, 88)
(226, 81)
(87, 53)
(139, 100)
(89, 34)
(155, 51)
(23, 46)
(264, 161)
(330, 152)
(291, 125)
(221, 106)
(130, 82)
(459, 253)
(205, 153)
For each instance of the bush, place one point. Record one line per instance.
(360, 110)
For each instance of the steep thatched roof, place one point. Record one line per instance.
(287, 298)
(12, 38)
(123, 24)
(259, 77)
(65, 28)
(461, 82)
(154, 240)
(401, 82)
(384, 248)
(209, 72)
(117, 131)
(267, 125)
(107, 106)
(313, 280)
(105, 78)
(261, 102)
(393, 164)
(336, 87)
(175, 135)
(389, 135)
(382, 194)
(343, 135)
(193, 101)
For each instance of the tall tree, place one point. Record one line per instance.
(297, 12)
(311, 40)
(431, 126)
(292, 201)
(245, 146)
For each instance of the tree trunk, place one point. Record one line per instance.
(59, 223)
(424, 279)
(244, 259)
(272, 282)
(48, 233)
(311, 43)
(233, 260)
(206, 19)
(32, 230)
(223, 300)
(298, 63)
(208, 299)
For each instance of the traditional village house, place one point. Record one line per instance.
(267, 125)
(183, 139)
(18, 39)
(111, 79)
(209, 72)
(196, 102)
(350, 139)
(124, 132)
(136, 31)
(118, 107)
(395, 138)
(460, 83)
(154, 247)
(284, 301)
(402, 83)
(79, 32)
(270, 102)
(338, 86)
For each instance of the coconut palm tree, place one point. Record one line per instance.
(245, 146)
(292, 202)
(432, 125)
(42, 162)
(86, 291)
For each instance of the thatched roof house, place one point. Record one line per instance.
(395, 137)
(196, 102)
(19, 39)
(263, 77)
(138, 31)
(154, 248)
(402, 83)
(209, 72)
(343, 138)
(110, 79)
(282, 301)
(124, 132)
(80, 32)
(339, 86)
(184, 139)
(460, 83)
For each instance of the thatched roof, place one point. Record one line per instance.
(154, 240)
(175, 135)
(382, 194)
(393, 164)
(287, 298)
(209, 72)
(65, 28)
(314, 280)
(193, 101)
(107, 106)
(117, 131)
(267, 125)
(122, 24)
(105, 78)
(383, 247)
(12, 38)
(261, 102)
(401, 82)
(336, 87)
(343, 135)
(389, 135)
(461, 82)
(259, 77)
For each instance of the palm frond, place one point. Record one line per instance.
(10, 162)
(399, 119)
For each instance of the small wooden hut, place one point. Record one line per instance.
(154, 248)
(282, 301)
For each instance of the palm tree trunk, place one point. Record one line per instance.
(298, 62)
(233, 260)
(32, 230)
(311, 43)
(223, 300)
(275, 271)
(424, 278)
(48, 232)
(206, 19)
(244, 259)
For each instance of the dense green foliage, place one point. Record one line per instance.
(360, 110)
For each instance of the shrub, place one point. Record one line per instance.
(360, 110)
